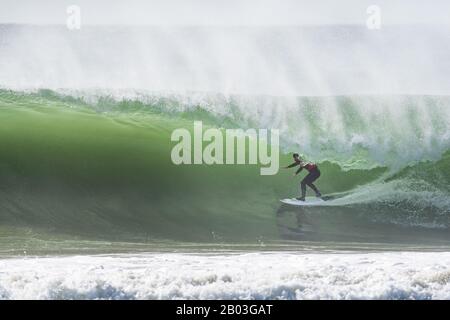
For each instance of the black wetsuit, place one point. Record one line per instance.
(313, 175)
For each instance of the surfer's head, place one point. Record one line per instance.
(296, 156)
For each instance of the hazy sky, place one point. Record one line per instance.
(225, 12)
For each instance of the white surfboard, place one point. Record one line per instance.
(309, 201)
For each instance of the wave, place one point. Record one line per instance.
(356, 132)
(97, 165)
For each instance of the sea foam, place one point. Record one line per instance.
(391, 275)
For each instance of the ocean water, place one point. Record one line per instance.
(248, 275)
(91, 206)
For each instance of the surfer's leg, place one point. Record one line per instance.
(312, 186)
(313, 176)
(304, 182)
(303, 187)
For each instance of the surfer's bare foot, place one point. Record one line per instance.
(318, 194)
(300, 198)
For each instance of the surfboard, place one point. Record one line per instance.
(309, 201)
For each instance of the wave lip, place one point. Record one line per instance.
(354, 131)
(286, 276)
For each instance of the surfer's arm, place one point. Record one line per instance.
(298, 171)
(292, 165)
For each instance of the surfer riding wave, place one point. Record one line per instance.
(313, 175)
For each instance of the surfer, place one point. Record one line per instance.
(313, 175)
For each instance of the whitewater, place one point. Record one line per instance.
(269, 275)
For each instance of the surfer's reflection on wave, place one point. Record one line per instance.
(293, 222)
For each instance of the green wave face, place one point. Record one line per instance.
(103, 171)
